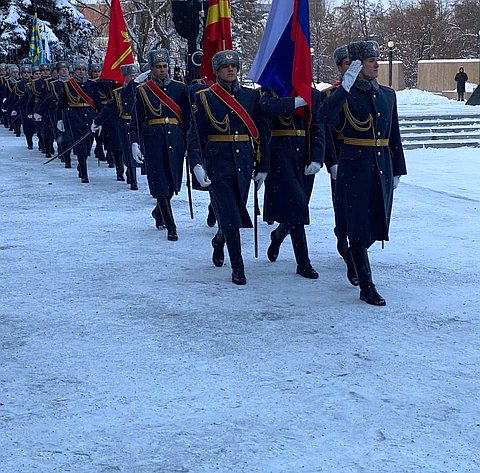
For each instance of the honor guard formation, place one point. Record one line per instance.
(231, 136)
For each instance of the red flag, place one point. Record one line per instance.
(217, 35)
(119, 49)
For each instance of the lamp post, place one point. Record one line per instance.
(390, 45)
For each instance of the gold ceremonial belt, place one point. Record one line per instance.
(126, 117)
(78, 105)
(163, 121)
(288, 132)
(340, 137)
(228, 137)
(365, 142)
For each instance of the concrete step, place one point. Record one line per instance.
(442, 137)
(445, 131)
(441, 144)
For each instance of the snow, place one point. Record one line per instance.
(123, 352)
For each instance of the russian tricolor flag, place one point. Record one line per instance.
(283, 63)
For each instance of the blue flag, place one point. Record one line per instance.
(35, 54)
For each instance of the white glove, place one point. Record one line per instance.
(136, 153)
(141, 77)
(60, 126)
(300, 102)
(312, 168)
(333, 171)
(351, 74)
(13, 114)
(259, 178)
(94, 128)
(37, 117)
(396, 181)
(201, 175)
(30, 116)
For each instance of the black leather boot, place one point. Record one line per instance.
(167, 214)
(277, 237)
(232, 238)
(68, 161)
(211, 219)
(133, 178)
(300, 248)
(82, 162)
(117, 157)
(368, 292)
(157, 215)
(218, 243)
(351, 271)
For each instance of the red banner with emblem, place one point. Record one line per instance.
(119, 49)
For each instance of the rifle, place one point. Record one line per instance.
(189, 186)
(89, 132)
(255, 219)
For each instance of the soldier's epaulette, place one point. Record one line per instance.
(141, 84)
(202, 91)
(329, 90)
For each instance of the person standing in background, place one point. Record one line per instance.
(461, 79)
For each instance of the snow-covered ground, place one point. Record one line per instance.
(123, 352)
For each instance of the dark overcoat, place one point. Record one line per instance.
(163, 144)
(229, 164)
(364, 187)
(79, 116)
(287, 188)
(125, 101)
(22, 91)
(461, 79)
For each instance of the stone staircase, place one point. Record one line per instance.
(445, 131)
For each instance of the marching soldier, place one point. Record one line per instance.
(371, 160)
(12, 122)
(22, 92)
(289, 184)
(118, 112)
(50, 107)
(226, 142)
(79, 101)
(3, 77)
(101, 141)
(159, 124)
(124, 100)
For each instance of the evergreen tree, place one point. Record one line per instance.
(71, 32)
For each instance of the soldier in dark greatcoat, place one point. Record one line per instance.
(10, 113)
(50, 106)
(161, 117)
(22, 91)
(226, 142)
(79, 101)
(3, 76)
(118, 112)
(289, 184)
(371, 160)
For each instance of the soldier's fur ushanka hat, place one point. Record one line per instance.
(340, 54)
(61, 64)
(25, 68)
(96, 67)
(158, 56)
(362, 49)
(222, 58)
(127, 69)
(80, 64)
